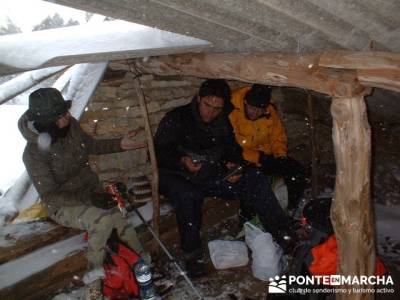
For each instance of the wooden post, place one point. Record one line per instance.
(314, 150)
(351, 211)
(153, 160)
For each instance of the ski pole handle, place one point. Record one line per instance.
(112, 189)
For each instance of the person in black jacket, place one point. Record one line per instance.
(195, 148)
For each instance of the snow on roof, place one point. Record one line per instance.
(89, 43)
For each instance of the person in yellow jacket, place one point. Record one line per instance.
(260, 132)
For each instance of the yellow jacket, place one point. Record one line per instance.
(266, 134)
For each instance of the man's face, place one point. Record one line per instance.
(210, 107)
(63, 120)
(253, 112)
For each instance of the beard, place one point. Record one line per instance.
(62, 132)
(54, 131)
(57, 133)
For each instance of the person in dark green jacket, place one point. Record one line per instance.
(56, 158)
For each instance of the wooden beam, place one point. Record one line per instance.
(153, 159)
(382, 78)
(25, 81)
(48, 281)
(273, 69)
(367, 60)
(336, 73)
(35, 241)
(351, 212)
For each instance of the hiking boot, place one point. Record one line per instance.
(193, 263)
(94, 284)
(290, 240)
(93, 290)
(194, 255)
(163, 286)
(195, 269)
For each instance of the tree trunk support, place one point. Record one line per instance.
(351, 211)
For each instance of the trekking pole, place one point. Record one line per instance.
(170, 257)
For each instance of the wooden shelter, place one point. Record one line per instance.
(347, 76)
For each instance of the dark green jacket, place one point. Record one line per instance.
(61, 174)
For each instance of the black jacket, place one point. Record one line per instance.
(182, 132)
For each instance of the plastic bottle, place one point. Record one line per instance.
(144, 278)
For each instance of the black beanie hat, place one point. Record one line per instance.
(46, 105)
(259, 95)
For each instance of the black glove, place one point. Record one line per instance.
(103, 201)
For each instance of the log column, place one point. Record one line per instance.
(351, 211)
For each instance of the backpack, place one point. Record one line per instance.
(319, 255)
(119, 282)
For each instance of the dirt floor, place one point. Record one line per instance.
(220, 222)
(235, 283)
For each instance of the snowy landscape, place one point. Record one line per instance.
(13, 145)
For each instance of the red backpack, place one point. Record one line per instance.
(119, 282)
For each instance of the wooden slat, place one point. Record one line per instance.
(31, 243)
(46, 282)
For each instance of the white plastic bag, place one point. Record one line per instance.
(267, 255)
(228, 254)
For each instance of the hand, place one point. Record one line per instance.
(127, 142)
(233, 178)
(103, 201)
(187, 162)
(230, 165)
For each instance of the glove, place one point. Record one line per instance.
(103, 201)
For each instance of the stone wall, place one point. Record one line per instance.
(114, 110)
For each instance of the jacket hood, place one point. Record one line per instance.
(238, 100)
(238, 97)
(27, 130)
